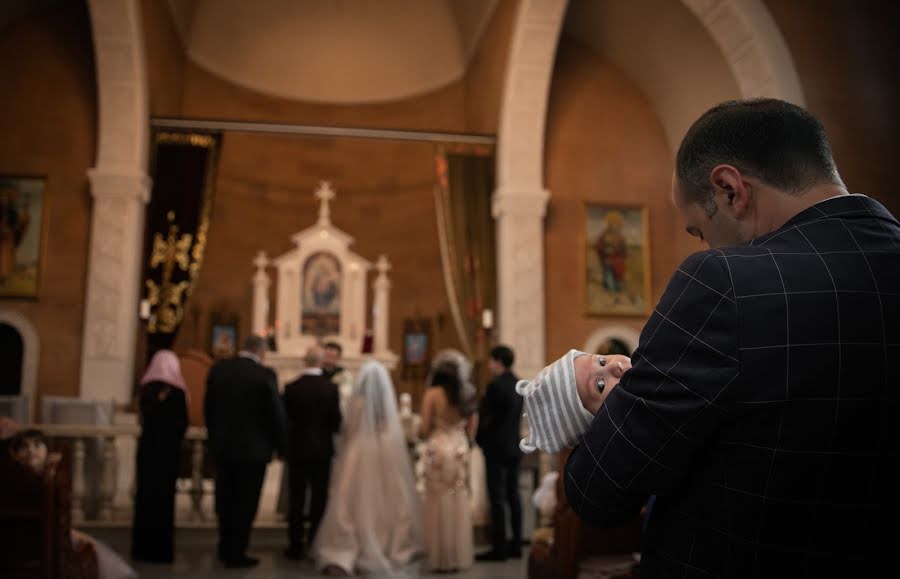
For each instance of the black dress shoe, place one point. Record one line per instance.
(294, 554)
(514, 550)
(491, 556)
(241, 562)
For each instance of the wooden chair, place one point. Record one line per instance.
(35, 524)
(557, 551)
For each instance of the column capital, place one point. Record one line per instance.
(119, 182)
(526, 202)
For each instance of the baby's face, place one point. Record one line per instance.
(33, 454)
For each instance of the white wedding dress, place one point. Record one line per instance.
(372, 522)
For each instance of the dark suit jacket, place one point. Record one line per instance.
(314, 415)
(762, 408)
(244, 416)
(499, 416)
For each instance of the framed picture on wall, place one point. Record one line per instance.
(416, 348)
(617, 260)
(223, 335)
(22, 235)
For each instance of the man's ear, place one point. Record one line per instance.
(728, 183)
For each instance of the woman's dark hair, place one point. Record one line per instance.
(446, 376)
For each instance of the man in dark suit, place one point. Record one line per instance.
(498, 436)
(762, 406)
(245, 424)
(314, 417)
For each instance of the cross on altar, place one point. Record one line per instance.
(325, 194)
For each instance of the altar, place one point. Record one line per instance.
(322, 295)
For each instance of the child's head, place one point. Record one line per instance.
(30, 448)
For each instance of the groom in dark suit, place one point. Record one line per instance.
(246, 425)
(498, 436)
(314, 416)
(762, 406)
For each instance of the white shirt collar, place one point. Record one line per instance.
(311, 372)
(250, 355)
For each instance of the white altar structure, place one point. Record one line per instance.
(321, 296)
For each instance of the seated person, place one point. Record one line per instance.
(29, 447)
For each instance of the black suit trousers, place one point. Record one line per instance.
(302, 475)
(238, 486)
(503, 489)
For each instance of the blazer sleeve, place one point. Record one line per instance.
(276, 413)
(335, 403)
(669, 405)
(487, 412)
(209, 406)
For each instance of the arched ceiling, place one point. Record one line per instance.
(663, 48)
(334, 51)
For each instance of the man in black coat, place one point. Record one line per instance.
(498, 436)
(762, 407)
(314, 417)
(246, 425)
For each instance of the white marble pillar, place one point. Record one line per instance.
(519, 217)
(114, 270)
(261, 283)
(381, 312)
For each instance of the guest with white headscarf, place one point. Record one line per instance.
(372, 522)
(164, 418)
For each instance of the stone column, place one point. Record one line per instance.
(261, 283)
(114, 269)
(381, 312)
(519, 217)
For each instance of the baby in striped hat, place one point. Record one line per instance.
(561, 401)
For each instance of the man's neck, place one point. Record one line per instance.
(788, 206)
(251, 355)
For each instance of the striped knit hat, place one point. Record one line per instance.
(556, 418)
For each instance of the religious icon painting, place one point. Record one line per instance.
(22, 230)
(416, 348)
(320, 299)
(617, 260)
(223, 335)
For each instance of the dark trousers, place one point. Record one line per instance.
(238, 486)
(503, 489)
(302, 475)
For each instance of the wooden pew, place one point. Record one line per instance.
(557, 551)
(35, 524)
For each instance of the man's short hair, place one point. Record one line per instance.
(334, 346)
(504, 355)
(255, 343)
(777, 142)
(313, 357)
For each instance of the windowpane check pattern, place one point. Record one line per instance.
(762, 408)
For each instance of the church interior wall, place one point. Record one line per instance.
(605, 144)
(48, 112)
(165, 59)
(485, 78)
(847, 56)
(264, 194)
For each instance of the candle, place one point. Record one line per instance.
(487, 319)
(145, 309)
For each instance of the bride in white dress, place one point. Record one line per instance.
(372, 522)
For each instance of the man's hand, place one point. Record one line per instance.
(588, 372)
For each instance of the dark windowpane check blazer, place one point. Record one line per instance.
(763, 408)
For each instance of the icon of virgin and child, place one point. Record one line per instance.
(321, 299)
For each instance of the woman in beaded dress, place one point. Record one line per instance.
(448, 427)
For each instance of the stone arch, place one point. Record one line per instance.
(31, 353)
(625, 333)
(120, 189)
(757, 56)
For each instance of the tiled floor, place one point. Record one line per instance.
(196, 559)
